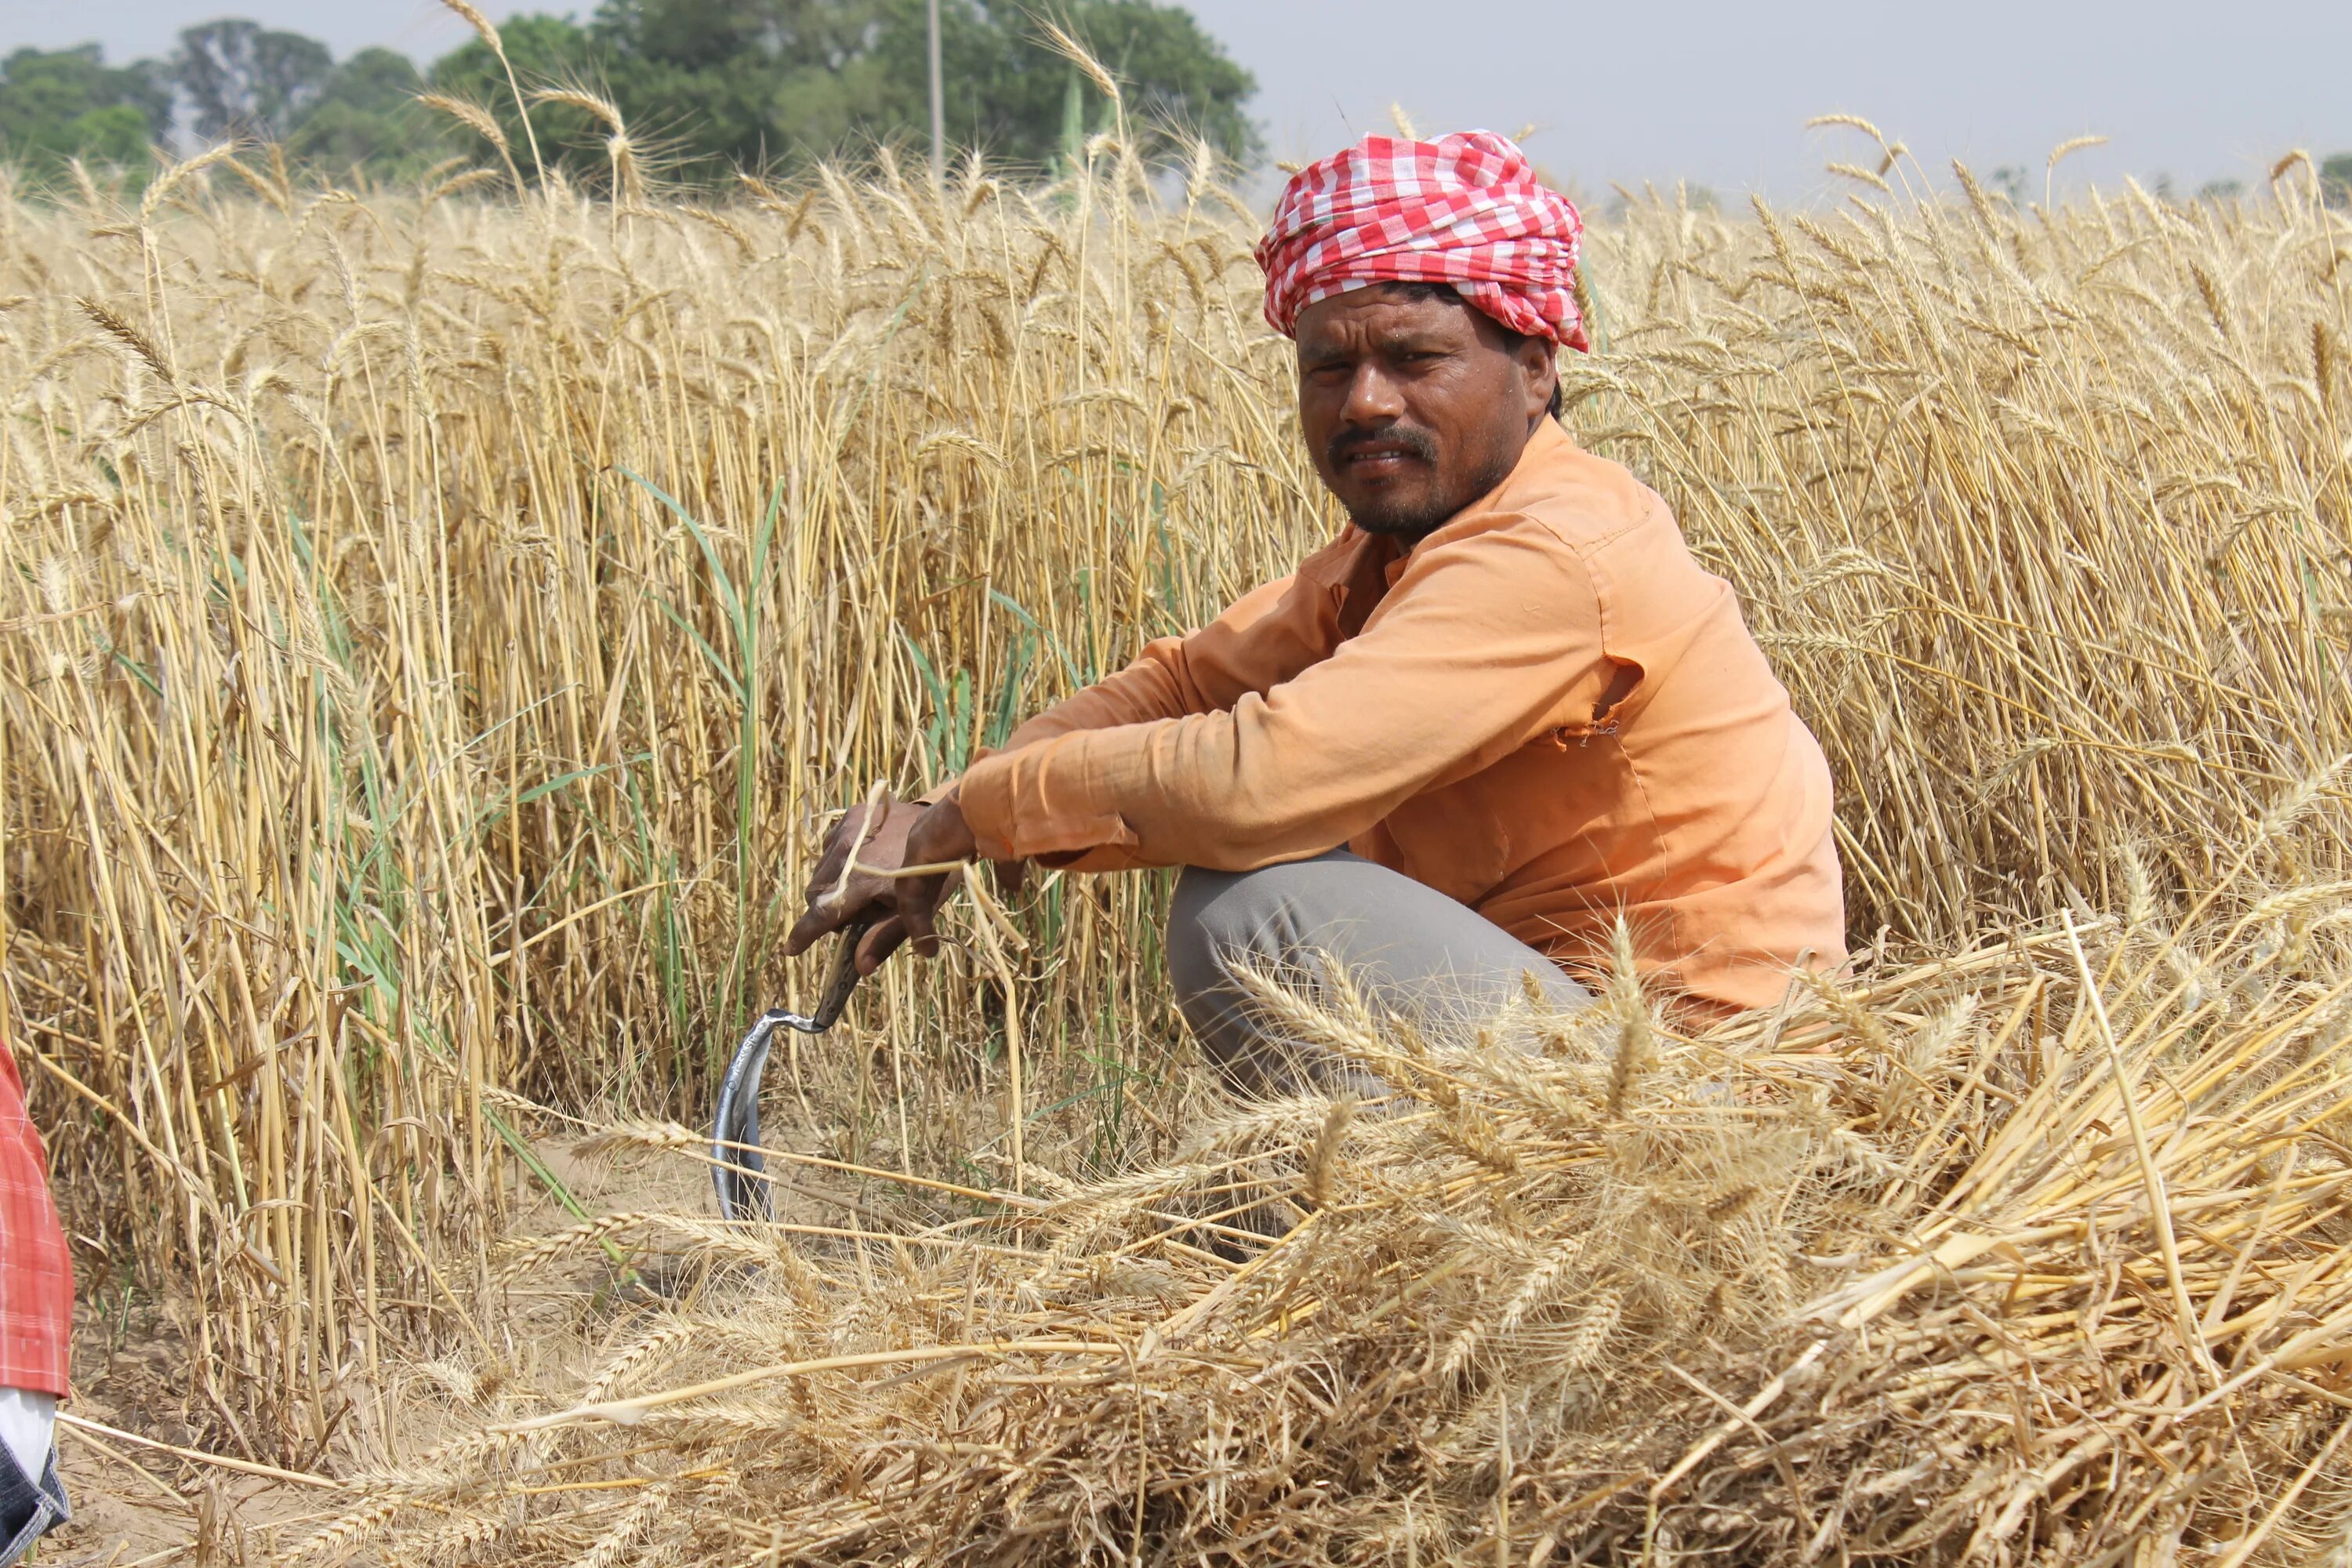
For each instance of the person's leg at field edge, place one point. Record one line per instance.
(1408, 948)
(32, 1497)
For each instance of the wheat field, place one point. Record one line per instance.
(436, 626)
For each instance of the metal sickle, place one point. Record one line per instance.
(735, 1129)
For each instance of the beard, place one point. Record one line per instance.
(1409, 516)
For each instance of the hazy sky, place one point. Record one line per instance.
(1714, 92)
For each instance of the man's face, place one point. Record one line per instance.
(1415, 406)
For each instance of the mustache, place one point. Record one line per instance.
(1414, 443)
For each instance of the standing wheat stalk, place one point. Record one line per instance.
(489, 35)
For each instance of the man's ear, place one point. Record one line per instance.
(1540, 370)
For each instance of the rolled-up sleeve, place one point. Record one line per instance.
(1482, 641)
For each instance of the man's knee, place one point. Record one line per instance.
(1220, 918)
(1199, 934)
(1413, 948)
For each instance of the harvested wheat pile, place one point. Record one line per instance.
(2042, 1253)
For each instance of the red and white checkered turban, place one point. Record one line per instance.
(1465, 210)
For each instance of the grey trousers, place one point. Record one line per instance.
(1410, 950)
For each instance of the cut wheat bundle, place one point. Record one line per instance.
(2042, 1253)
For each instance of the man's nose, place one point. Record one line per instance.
(1372, 397)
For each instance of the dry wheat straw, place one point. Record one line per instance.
(384, 757)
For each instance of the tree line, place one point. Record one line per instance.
(705, 88)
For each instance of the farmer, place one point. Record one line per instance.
(1503, 711)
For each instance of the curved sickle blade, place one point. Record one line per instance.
(739, 1163)
(741, 1195)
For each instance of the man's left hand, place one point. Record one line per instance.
(939, 836)
(855, 878)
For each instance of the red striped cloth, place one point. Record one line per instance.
(36, 1272)
(1465, 210)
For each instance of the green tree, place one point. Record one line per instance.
(2336, 178)
(70, 103)
(365, 116)
(746, 84)
(242, 79)
(1177, 80)
(1011, 94)
(711, 86)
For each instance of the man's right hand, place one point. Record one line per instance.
(878, 839)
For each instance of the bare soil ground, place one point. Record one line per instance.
(128, 1508)
(139, 1508)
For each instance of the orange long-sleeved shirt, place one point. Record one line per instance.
(1545, 709)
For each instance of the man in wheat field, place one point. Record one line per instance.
(1503, 711)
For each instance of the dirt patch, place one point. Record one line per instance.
(140, 1507)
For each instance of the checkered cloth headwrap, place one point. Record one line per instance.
(1465, 210)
